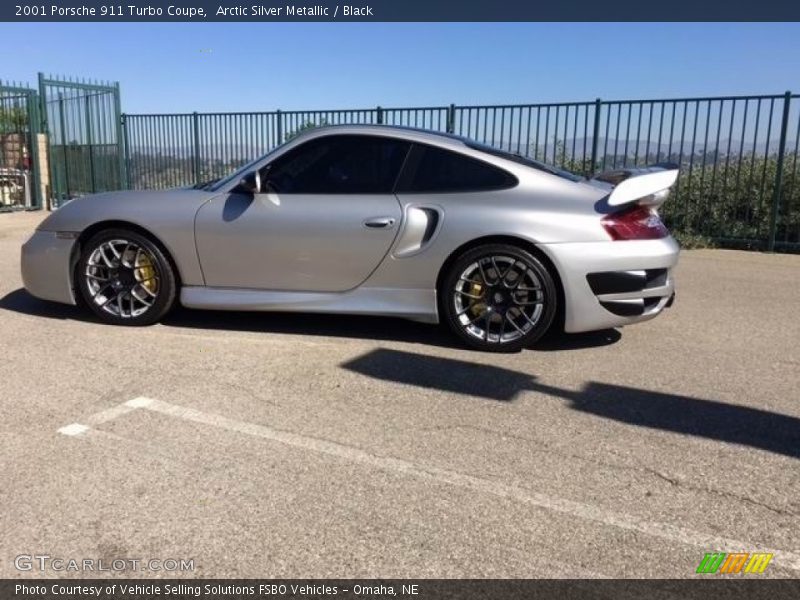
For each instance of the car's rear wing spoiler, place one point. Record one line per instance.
(647, 186)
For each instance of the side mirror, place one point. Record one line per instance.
(250, 183)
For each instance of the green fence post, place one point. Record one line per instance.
(63, 125)
(776, 195)
(47, 202)
(34, 123)
(451, 118)
(196, 156)
(124, 177)
(126, 170)
(595, 134)
(279, 123)
(88, 116)
(379, 115)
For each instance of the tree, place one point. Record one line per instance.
(13, 119)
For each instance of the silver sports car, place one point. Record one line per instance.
(374, 220)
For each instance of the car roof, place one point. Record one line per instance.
(459, 143)
(410, 133)
(512, 162)
(463, 144)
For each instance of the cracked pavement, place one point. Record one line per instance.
(324, 446)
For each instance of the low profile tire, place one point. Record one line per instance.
(498, 298)
(125, 278)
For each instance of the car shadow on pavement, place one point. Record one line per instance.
(698, 417)
(344, 326)
(363, 327)
(310, 324)
(20, 301)
(445, 374)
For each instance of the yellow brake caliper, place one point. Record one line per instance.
(476, 307)
(146, 273)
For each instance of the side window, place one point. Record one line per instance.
(434, 170)
(338, 164)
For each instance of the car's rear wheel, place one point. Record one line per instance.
(125, 278)
(498, 298)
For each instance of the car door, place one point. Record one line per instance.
(324, 219)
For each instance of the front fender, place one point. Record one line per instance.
(168, 216)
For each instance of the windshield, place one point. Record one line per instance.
(523, 160)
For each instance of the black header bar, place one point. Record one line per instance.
(398, 10)
(712, 586)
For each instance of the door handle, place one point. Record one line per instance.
(379, 222)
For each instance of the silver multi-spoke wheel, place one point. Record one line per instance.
(122, 278)
(498, 299)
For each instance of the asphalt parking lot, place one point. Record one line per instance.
(269, 445)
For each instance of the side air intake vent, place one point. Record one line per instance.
(421, 226)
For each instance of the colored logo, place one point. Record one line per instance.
(735, 562)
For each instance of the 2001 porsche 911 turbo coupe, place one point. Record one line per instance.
(374, 220)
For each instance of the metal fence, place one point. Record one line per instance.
(738, 154)
(20, 183)
(82, 121)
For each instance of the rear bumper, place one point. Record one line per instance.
(45, 266)
(611, 284)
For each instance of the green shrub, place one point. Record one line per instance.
(693, 241)
(728, 199)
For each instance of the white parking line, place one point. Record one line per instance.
(74, 429)
(105, 416)
(783, 558)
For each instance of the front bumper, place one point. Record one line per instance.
(46, 264)
(611, 284)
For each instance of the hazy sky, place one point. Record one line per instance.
(240, 67)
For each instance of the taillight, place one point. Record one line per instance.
(635, 223)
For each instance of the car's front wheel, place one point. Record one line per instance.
(125, 278)
(498, 298)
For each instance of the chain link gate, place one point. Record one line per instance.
(20, 149)
(82, 122)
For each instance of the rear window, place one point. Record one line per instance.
(523, 160)
(436, 170)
